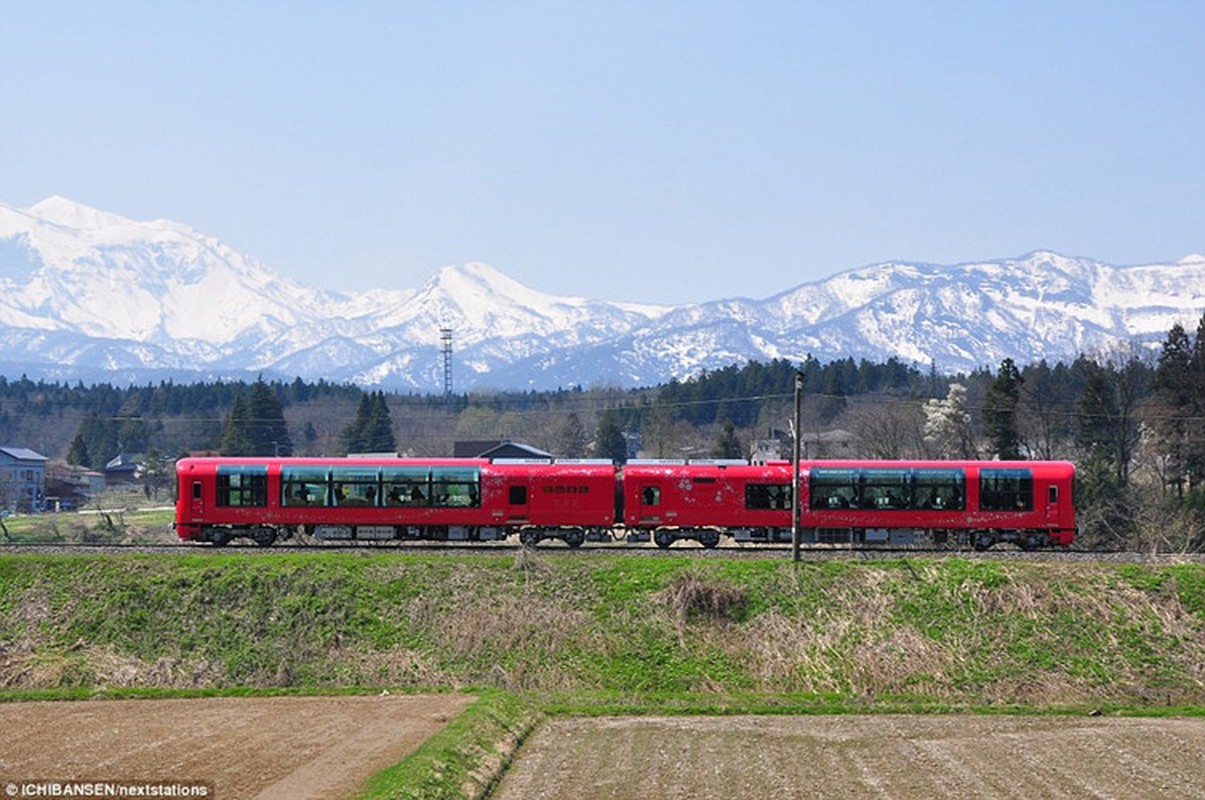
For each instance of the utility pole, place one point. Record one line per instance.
(795, 468)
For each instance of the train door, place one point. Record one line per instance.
(518, 498)
(197, 503)
(1052, 506)
(650, 502)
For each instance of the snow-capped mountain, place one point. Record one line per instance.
(86, 294)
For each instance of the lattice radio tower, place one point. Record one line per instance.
(445, 340)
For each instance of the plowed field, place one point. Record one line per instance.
(279, 747)
(898, 757)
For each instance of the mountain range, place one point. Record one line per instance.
(93, 296)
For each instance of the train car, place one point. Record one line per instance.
(265, 499)
(975, 503)
(673, 500)
(957, 504)
(574, 501)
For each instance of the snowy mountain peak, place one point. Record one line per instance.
(90, 295)
(71, 214)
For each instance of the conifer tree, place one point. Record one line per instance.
(256, 425)
(353, 434)
(610, 441)
(377, 436)
(572, 439)
(78, 452)
(1171, 407)
(1195, 412)
(1000, 412)
(234, 441)
(729, 444)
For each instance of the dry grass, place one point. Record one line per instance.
(692, 596)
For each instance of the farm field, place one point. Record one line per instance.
(238, 747)
(905, 757)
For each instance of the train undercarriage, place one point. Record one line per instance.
(663, 537)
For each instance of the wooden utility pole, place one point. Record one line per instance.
(795, 467)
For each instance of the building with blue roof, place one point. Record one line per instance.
(22, 479)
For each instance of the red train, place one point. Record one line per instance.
(940, 503)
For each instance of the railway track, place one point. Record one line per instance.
(511, 549)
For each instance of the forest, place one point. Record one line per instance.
(1133, 421)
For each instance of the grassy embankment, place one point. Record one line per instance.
(594, 633)
(121, 525)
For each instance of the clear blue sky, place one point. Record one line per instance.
(648, 150)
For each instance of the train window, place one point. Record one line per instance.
(355, 486)
(939, 489)
(196, 490)
(650, 496)
(242, 486)
(767, 496)
(406, 486)
(885, 489)
(456, 487)
(833, 488)
(518, 495)
(1006, 489)
(1052, 495)
(303, 486)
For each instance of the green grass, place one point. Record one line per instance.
(556, 633)
(948, 631)
(465, 758)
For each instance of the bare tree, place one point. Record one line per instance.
(888, 429)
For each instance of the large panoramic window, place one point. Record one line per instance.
(456, 486)
(833, 488)
(355, 486)
(304, 486)
(888, 488)
(406, 486)
(939, 490)
(1006, 489)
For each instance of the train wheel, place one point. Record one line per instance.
(983, 541)
(709, 539)
(663, 539)
(263, 537)
(529, 538)
(575, 538)
(220, 538)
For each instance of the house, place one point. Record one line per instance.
(496, 448)
(123, 468)
(22, 479)
(70, 487)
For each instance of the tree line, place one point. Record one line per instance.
(1133, 421)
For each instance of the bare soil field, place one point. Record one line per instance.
(259, 747)
(897, 757)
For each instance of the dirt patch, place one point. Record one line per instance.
(278, 747)
(899, 757)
